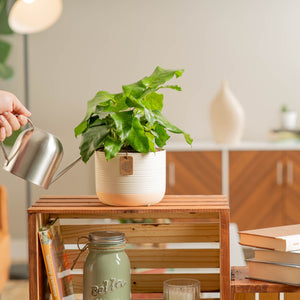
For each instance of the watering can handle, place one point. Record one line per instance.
(3, 148)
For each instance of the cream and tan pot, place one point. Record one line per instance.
(145, 186)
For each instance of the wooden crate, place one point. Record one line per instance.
(243, 288)
(162, 248)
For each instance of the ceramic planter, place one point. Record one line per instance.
(145, 186)
(289, 120)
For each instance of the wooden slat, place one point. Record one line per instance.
(205, 216)
(162, 258)
(244, 297)
(91, 205)
(241, 284)
(291, 296)
(225, 256)
(269, 296)
(149, 233)
(153, 283)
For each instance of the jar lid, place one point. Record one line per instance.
(107, 237)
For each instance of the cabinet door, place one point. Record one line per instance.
(194, 173)
(292, 190)
(256, 188)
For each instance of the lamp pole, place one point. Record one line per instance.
(27, 104)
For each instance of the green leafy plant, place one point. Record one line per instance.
(131, 120)
(6, 71)
(284, 108)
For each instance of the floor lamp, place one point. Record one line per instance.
(27, 17)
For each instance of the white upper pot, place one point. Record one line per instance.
(145, 186)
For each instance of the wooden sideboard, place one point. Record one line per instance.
(262, 181)
(194, 173)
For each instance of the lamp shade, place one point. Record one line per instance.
(31, 16)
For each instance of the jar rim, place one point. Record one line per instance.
(107, 237)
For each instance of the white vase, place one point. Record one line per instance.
(145, 186)
(227, 117)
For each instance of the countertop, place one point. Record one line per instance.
(243, 146)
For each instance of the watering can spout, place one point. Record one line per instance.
(65, 170)
(35, 157)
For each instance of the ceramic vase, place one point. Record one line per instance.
(227, 117)
(146, 185)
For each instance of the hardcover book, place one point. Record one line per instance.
(58, 271)
(281, 238)
(280, 273)
(291, 257)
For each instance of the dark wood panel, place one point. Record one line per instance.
(256, 198)
(195, 172)
(292, 188)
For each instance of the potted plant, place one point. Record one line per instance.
(127, 131)
(288, 118)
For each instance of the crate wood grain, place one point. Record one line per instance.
(243, 288)
(196, 226)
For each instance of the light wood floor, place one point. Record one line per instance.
(16, 289)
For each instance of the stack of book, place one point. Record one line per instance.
(276, 253)
(284, 135)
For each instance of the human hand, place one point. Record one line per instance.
(10, 106)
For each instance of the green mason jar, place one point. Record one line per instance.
(107, 268)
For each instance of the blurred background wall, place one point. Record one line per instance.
(100, 45)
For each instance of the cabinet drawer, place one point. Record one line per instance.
(194, 173)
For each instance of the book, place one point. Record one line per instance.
(292, 257)
(280, 135)
(58, 271)
(280, 238)
(280, 273)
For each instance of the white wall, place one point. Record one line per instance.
(100, 45)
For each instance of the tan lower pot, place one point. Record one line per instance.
(145, 186)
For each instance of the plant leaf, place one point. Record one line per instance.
(134, 90)
(137, 138)
(4, 51)
(174, 87)
(160, 76)
(123, 121)
(161, 136)
(111, 147)
(4, 27)
(6, 72)
(153, 101)
(100, 98)
(92, 139)
(132, 102)
(118, 105)
(150, 137)
(170, 127)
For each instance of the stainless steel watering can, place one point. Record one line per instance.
(35, 157)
